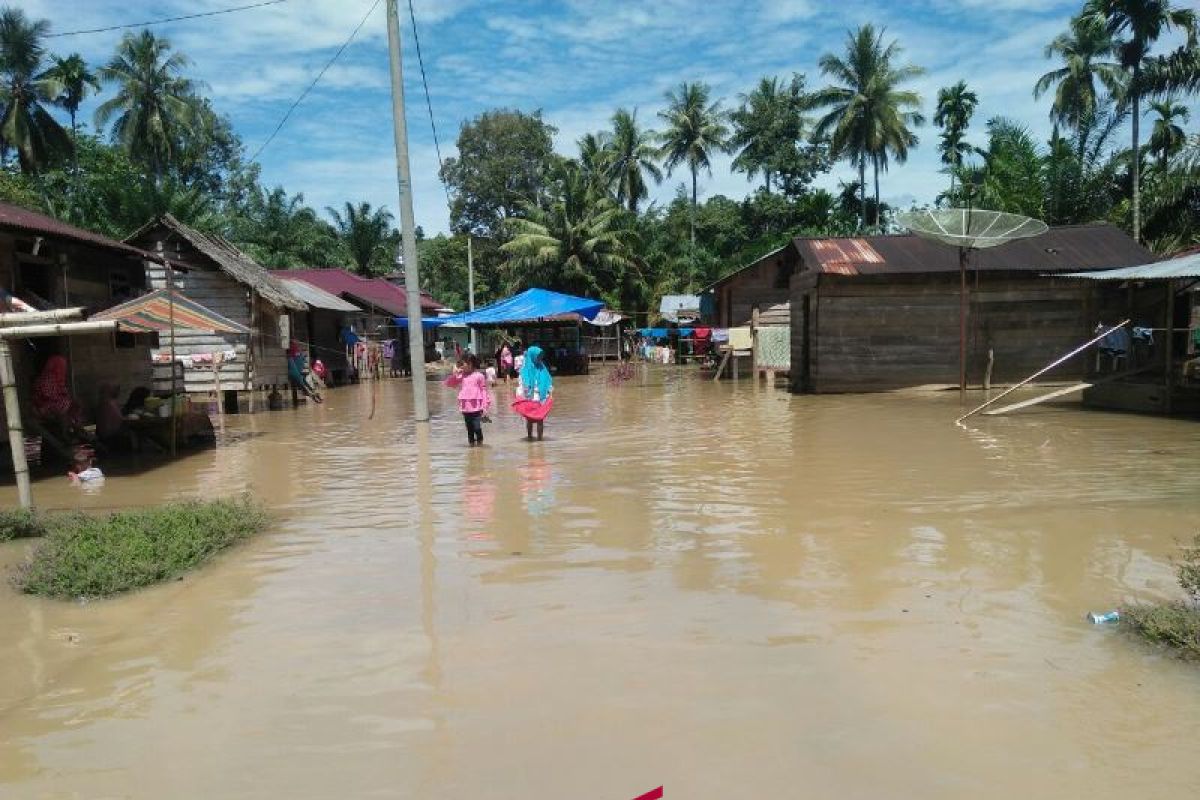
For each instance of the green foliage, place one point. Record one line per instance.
(443, 262)
(696, 132)
(21, 523)
(1084, 51)
(280, 232)
(155, 111)
(577, 243)
(1174, 625)
(769, 133)
(628, 158)
(870, 117)
(955, 107)
(97, 556)
(366, 236)
(503, 159)
(26, 92)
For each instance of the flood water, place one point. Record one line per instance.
(725, 590)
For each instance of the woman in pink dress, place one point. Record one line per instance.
(474, 398)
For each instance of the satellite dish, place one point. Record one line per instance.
(968, 229)
(971, 228)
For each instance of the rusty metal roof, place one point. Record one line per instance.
(23, 220)
(1067, 248)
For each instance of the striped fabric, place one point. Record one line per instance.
(151, 313)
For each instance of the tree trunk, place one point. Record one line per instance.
(693, 219)
(74, 169)
(875, 165)
(1137, 156)
(862, 191)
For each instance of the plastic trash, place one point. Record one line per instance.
(1104, 617)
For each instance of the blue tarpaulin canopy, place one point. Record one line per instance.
(531, 305)
(426, 322)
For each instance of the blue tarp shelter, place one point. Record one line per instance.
(531, 305)
(426, 322)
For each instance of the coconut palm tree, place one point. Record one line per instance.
(955, 105)
(870, 115)
(1167, 137)
(363, 231)
(1086, 51)
(695, 132)
(767, 125)
(25, 124)
(77, 82)
(155, 108)
(595, 158)
(576, 243)
(1141, 23)
(631, 157)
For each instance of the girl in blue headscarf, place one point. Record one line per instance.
(535, 391)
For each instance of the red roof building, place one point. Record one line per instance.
(370, 293)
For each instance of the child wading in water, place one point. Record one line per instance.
(534, 392)
(474, 398)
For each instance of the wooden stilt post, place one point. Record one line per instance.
(754, 370)
(1169, 375)
(218, 359)
(16, 434)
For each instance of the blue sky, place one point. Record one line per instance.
(576, 60)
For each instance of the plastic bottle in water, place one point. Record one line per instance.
(1102, 617)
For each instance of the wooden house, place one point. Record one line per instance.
(46, 263)
(320, 328)
(763, 285)
(882, 312)
(216, 274)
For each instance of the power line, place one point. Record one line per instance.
(316, 80)
(165, 20)
(429, 104)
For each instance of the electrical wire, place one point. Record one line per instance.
(165, 20)
(429, 103)
(316, 80)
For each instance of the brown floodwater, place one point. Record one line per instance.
(722, 589)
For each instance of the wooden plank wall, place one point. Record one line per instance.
(764, 285)
(220, 293)
(878, 333)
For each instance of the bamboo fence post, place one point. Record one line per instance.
(16, 434)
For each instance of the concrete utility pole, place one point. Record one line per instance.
(471, 291)
(412, 282)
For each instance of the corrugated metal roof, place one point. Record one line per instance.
(370, 292)
(1184, 267)
(230, 260)
(1061, 249)
(16, 218)
(317, 297)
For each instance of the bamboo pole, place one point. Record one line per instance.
(1169, 376)
(57, 329)
(8, 319)
(170, 276)
(962, 323)
(218, 359)
(1042, 371)
(16, 435)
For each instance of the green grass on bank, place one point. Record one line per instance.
(20, 523)
(1174, 625)
(82, 555)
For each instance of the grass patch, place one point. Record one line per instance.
(20, 523)
(1175, 625)
(96, 556)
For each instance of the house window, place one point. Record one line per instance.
(783, 274)
(124, 340)
(119, 287)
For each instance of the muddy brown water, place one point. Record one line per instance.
(721, 589)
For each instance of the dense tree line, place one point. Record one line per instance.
(582, 221)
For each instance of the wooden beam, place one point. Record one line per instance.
(24, 318)
(16, 435)
(59, 329)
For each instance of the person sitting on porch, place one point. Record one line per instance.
(111, 429)
(53, 404)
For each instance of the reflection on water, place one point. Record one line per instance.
(723, 589)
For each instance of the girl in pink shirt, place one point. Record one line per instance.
(474, 398)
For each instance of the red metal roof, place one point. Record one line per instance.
(17, 218)
(1068, 248)
(375, 292)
